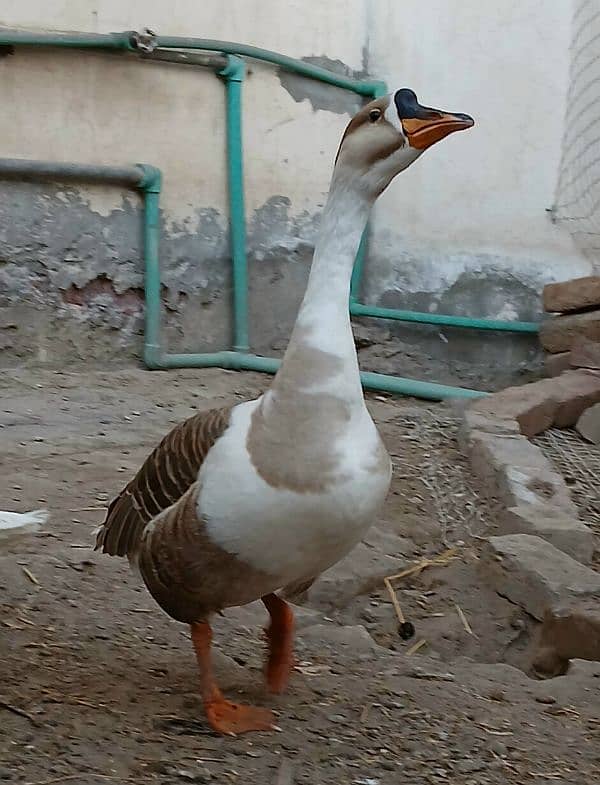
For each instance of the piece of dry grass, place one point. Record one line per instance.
(438, 561)
(395, 601)
(464, 620)
(31, 576)
(416, 647)
(19, 712)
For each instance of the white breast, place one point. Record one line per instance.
(285, 532)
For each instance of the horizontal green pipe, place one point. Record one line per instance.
(371, 381)
(127, 40)
(70, 40)
(186, 58)
(473, 323)
(26, 169)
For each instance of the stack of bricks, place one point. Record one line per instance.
(571, 337)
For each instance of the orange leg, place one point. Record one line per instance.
(223, 716)
(280, 634)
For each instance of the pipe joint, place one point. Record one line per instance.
(151, 180)
(153, 357)
(145, 42)
(235, 70)
(379, 89)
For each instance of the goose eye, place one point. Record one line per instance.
(374, 115)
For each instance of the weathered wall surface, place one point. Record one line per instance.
(464, 231)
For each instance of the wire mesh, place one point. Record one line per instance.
(577, 199)
(427, 454)
(579, 463)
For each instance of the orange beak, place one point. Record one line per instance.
(422, 133)
(425, 126)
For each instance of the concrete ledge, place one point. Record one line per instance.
(512, 469)
(515, 471)
(557, 527)
(535, 575)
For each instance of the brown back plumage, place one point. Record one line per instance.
(164, 477)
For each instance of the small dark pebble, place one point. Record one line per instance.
(406, 630)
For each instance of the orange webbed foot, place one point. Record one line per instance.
(234, 718)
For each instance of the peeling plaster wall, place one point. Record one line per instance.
(464, 231)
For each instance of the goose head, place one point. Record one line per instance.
(388, 135)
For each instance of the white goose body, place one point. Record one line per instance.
(304, 531)
(284, 532)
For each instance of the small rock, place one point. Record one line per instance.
(359, 573)
(498, 748)
(568, 632)
(197, 775)
(470, 766)
(546, 699)
(355, 637)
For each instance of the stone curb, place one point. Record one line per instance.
(516, 472)
(535, 575)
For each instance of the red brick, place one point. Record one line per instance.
(558, 333)
(574, 392)
(533, 406)
(570, 631)
(585, 353)
(573, 295)
(555, 364)
(540, 405)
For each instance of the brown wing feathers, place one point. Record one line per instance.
(165, 476)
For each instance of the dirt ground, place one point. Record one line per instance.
(100, 686)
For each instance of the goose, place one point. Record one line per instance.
(238, 503)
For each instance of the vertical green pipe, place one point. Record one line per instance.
(234, 73)
(359, 263)
(150, 185)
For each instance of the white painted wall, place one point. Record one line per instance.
(481, 197)
(477, 199)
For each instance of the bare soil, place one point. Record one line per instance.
(98, 685)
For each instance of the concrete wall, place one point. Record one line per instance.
(464, 231)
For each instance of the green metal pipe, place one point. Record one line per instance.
(233, 74)
(151, 185)
(129, 40)
(367, 88)
(359, 263)
(27, 169)
(370, 381)
(357, 309)
(121, 41)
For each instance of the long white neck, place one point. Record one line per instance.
(324, 319)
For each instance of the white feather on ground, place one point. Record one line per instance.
(15, 523)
